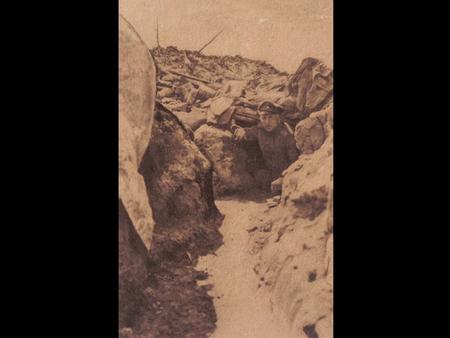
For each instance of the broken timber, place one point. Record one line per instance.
(207, 44)
(157, 33)
(189, 77)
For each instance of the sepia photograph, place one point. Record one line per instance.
(225, 168)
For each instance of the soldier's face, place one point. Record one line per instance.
(269, 121)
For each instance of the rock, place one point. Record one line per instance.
(177, 106)
(191, 118)
(137, 93)
(233, 89)
(288, 104)
(168, 77)
(219, 106)
(252, 228)
(228, 160)
(272, 204)
(165, 92)
(311, 132)
(276, 185)
(179, 180)
(312, 84)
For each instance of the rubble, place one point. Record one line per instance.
(312, 85)
(204, 80)
(212, 90)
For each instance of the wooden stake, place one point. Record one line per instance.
(215, 36)
(157, 33)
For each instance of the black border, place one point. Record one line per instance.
(68, 231)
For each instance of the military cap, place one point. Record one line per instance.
(269, 108)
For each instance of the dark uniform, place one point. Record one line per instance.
(278, 149)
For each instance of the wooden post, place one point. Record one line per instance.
(215, 36)
(157, 33)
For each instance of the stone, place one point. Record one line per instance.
(192, 118)
(311, 132)
(165, 92)
(312, 85)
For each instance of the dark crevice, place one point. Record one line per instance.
(312, 275)
(310, 331)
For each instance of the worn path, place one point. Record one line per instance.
(242, 310)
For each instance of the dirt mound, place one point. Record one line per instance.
(295, 246)
(175, 189)
(137, 93)
(176, 306)
(179, 181)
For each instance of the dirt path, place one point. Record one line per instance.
(241, 309)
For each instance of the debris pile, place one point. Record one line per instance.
(218, 90)
(191, 81)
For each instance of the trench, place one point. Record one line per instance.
(216, 295)
(198, 283)
(242, 309)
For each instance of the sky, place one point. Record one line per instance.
(281, 32)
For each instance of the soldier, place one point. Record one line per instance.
(276, 141)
